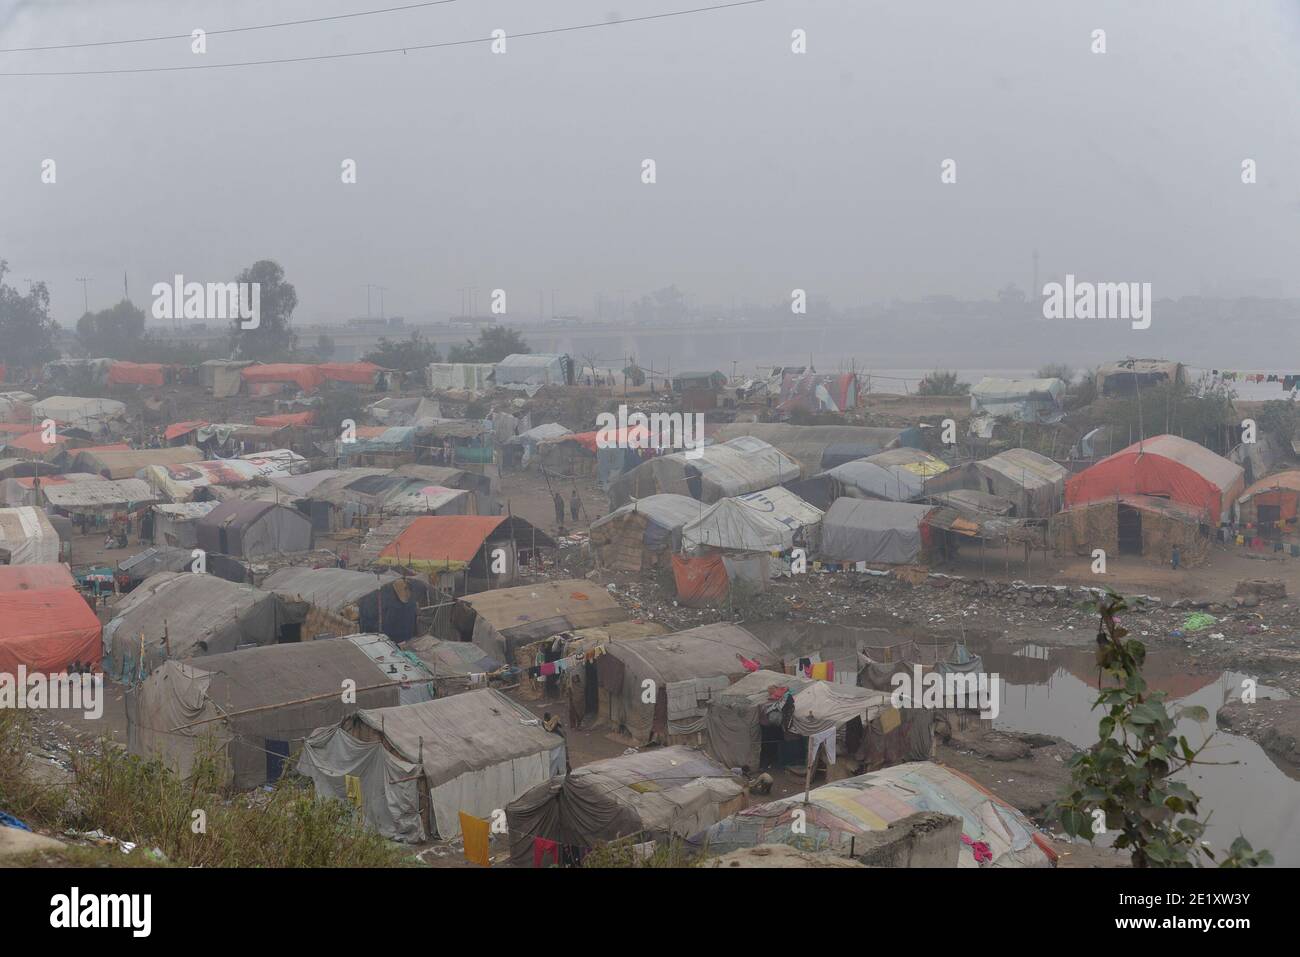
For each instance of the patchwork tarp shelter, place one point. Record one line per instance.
(27, 537)
(123, 464)
(420, 765)
(686, 668)
(456, 666)
(730, 525)
(222, 376)
(254, 530)
(460, 376)
(345, 601)
(810, 445)
(1126, 376)
(91, 415)
(1132, 525)
(15, 492)
(531, 371)
(740, 465)
(158, 558)
(639, 534)
(1272, 504)
(337, 500)
(1032, 481)
(354, 373)
(819, 391)
(99, 497)
(184, 614)
(501, 620)
(653, 795)
(766, 707)
(836, 813)
(867, 530)
(1022, 400)
(47, 630)
(176, 523)
(1166, 466)
(528, 442)
(249, 708)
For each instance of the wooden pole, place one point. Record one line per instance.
(281, 704)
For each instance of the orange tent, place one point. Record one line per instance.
(700, 581)
(177, 429)
(35, 443)
(135, 373)
(299, 419)
(29, 577)
(47, 629)
(637, 436)
(438, 540)
(307, 377)
(359, 372)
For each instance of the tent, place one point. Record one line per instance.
(866, 530)
(184, 614)
(28, 577)
(837, 813)
(286, 420)
(501, 620)
(652, 795)
(683, 669)
(271, 379)
(27, 537)
(637, 535)
(1272, 504)
(730, 525)
(222, 376)
(786, 508)
(157, 558)
(99, 497)
(434, 543)
(181, 483)
(716, 471)
(460, 376)
(531, 371)
(1035, 483)
(23, 491)
(355, 373)
(47, 629)
(770, 708)
(819, 447)
(1022, 400)
(1132, 524)
(91, 415)
(135, 373)
(1166, 466)
(1128, 375)
(249, 708)
(122, 464)
(420, 765)
(254, 530)
(529, 441)
(863, 478)
(176, 524)
(345, 601)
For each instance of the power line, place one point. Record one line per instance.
(213, 33)
(388, 50)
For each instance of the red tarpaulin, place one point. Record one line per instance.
(135, 373)
(296, 419)
(700, 581)
(177, 429)
(47, 629)
(360, 372)
(30, 577)
(306, 377)
(632, 437)
(35, 443)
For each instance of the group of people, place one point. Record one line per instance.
(575, 503)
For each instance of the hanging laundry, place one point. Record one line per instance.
(822, 739)
(543, 849)
(979, 848)
(475, 831)
(823, 670)
(352, 787)
(547, 669)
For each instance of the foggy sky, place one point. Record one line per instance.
(775, 171)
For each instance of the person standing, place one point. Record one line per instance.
(559, 509)
(574, 504)
(1176, 557)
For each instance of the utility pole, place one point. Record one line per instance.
(126, 289)
(85, 293)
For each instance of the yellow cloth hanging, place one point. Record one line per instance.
(890, 719)
(352, 784)
(474, 831)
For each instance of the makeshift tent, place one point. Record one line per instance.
(180, 615)
(458, 542)
(181, 483)
(127, 463)
(1128, 375)
(249, 708)
(863, 478)
(27, 537)
(531, 371)
(456, 666)
(835, 814)
(786, 508)
(1035, 483)
(287, 420)
(1271, 503)
(1166, 466)
(639, 534)
(158, 558)
(414, 676)
(47, 630)
(99, 497)
(527, 443)
(702, 580)
(222, 376)
(420, 765)
(650, 796)
(22, 468)
(26, 491)
(866, 530)
(819, 392)
(135, 373)
(731, 525)
(819, 447)
(29, 577)
(1022, 400)
(767, 707)
(1132, 525)
(177, 524)
(685, 668)
(460, 376)
(345, 601)
(254, 530)
(716, 471)
(179, 432)
(91, 415)
(501, 620)
(272, 378)
(356, 373)
(576, 679)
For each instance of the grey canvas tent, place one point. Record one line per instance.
(641, 533)
(1035, 483)
(254, 530)
(184, 614)
(250, 708)
(420, 765)
(345, 601)
(741, 465)
(653, 795)
(657, 688)
(867, 530)
(820, 447)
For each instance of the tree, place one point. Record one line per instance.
(1206, 416)
(26, 329)
(1056, 370)
(1124, 782)
(940, 382)
(273, 337)
(114, 333)
(494, 344)
(407, 355)
(324, 346)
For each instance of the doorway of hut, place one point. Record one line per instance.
(1130, 530)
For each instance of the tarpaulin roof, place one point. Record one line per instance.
(362, 373)
(301, 486)
(27, 577)
(100, 494)
(917, 461)
(838, 812)
(125, 463)
(666, 510)
(177, 429)
(807, 443)
(867, 530)
(509, 617)
(1165, 465)
(1026, 467)
(180, 481)
(47, 630)
(308, 378)
(286, 420)
(79, 412)
(441, 540)
(743, 464)
(329, 588)
(35, 443)
(542, 433)
(729, 524)
(893, 483)
(701, 652)
(157, 558)
(27, 535)
(254, 529)
(636, 436)
(135, 373)
(782, 506)
(1288, 480)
